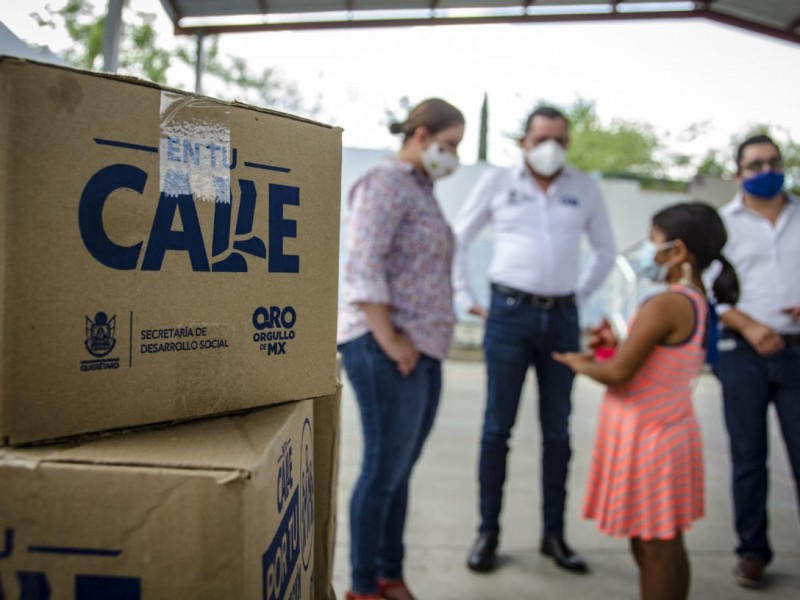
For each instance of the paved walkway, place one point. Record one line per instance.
(443, 509)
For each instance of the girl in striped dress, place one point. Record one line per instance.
(646, 477)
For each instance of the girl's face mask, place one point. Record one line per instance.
(645, 264)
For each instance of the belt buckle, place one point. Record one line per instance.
(542, 302)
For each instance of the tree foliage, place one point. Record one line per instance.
(264, 88)
(139, 54)
(712, 164)
(142, 55)
(483, 149)
(399, 113)
(790, 150)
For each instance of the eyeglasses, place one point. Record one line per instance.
(758, 165)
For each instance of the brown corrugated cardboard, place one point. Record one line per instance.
(216, 509)
(326, 474)
(162, 256)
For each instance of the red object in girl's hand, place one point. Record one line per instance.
(603, 342)
(602, 353)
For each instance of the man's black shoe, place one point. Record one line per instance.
(482, 554)
(564, 556)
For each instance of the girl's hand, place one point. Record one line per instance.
(602, 336)
(577, 361)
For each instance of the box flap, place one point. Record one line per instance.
(144, 82)
(237, 443)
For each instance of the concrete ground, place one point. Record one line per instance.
(443, 507)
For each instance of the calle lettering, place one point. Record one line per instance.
(227, 254)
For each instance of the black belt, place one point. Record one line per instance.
(790, 339)
(535, 300)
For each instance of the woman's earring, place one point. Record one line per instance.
(686, 274)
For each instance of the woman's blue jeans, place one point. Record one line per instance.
(397, 414)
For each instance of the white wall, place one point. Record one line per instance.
(630, 209)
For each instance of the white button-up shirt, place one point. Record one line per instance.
(766, 258)
(536, 234)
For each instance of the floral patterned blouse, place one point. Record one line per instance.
(399, 251)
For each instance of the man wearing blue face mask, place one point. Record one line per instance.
(538, 211)
(759, 348)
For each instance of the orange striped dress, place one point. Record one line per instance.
(646, 477)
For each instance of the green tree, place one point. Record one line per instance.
(791, 161)
(397, 114)
(264, 88)
(138, 54)
(141, 55)
(713, 164)
(482, 142)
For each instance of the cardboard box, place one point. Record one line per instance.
(162, 256)
(218, 509)
(326, 475)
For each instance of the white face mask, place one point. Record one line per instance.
(437, 162)
(646, 265)
(546, 158)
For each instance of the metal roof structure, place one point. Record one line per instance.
(775, 18)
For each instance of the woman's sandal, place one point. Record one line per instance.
(394, 589)
(351, 595)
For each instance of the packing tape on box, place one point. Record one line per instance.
(195, 157)
(19, 462)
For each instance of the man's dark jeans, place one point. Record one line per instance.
(518, 335)
(751, 382)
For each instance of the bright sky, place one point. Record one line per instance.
(668, 74)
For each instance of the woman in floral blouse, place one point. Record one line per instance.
(395, 327)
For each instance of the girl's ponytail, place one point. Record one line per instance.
(726, 285)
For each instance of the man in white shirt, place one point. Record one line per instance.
(759, 348)
(538, 212)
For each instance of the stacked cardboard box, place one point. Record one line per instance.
(164, 258)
